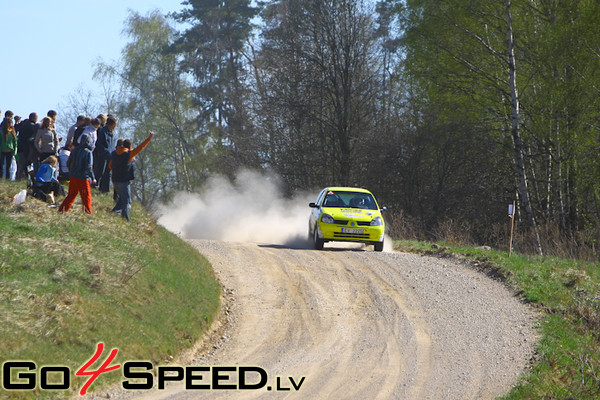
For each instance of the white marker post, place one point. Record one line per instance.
(511, 215)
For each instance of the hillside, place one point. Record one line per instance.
(68, 282)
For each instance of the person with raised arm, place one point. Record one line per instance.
(123, 172)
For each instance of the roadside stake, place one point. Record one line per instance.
(511, 215)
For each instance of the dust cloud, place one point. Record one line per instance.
(250, 209)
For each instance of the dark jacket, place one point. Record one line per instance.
(105, 144)
(27, 131)
(121, 161)
(122, 167)
(78, 131)
(81, 160)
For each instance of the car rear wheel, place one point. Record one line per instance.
(379, 246)
(318, 243)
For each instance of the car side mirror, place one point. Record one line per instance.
(383, 209)
(313, 205)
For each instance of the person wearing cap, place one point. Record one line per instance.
(123, 172)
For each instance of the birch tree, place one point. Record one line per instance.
(156, 96)
(468, 52)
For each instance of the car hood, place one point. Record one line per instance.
(351, 213)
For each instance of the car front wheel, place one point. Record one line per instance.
(379, 246)
(318, 243)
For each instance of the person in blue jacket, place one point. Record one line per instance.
(46, 179)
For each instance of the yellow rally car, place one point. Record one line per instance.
(346, 214)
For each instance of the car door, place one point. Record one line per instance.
(315, 213)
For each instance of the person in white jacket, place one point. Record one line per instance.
(92, 132)
(63, 157)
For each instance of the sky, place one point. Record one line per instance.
(50, 49)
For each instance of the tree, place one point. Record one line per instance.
(212, 51)
(156, 95)
(467, 50)
(318, 88)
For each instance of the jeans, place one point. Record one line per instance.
(6, 161)
(123, 198)
(22, 164)
(102, 172)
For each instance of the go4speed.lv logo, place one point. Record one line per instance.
(141, 375)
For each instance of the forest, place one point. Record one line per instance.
(447, 111)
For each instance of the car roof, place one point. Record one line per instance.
(346, 189)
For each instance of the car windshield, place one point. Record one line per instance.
(350, 200)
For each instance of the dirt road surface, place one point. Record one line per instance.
(356, 324)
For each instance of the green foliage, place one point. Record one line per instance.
(158, 96)
(456, 57)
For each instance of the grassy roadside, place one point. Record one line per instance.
(70, 281)
(567, 292)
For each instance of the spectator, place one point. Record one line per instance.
(52, 115)
(79, 130)
(115, 194)
(63, 158)
(105, 145)
(72, 128)
(8, 149)
(91, 131)
(102, 118)
(121, 163)
(46, 180)
(8, 114)
(46, 139)
(81, 164)
(27, 152)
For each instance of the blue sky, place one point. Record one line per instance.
(50, 48)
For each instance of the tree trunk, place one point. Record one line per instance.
(515, 131)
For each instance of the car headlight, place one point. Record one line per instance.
(328, 219)
(377, 221)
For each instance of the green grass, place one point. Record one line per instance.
(567, 292)
(69, 281)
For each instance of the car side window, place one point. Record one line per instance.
(320, 197)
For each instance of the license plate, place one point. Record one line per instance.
(353, 231)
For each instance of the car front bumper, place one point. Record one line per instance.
(339, 233)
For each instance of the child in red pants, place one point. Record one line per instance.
(81, 162)
(84, 188)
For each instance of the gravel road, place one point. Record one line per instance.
(360, 325)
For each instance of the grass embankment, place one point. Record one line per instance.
(567, 292)
(70, 281)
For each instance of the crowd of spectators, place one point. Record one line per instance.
(90, 157)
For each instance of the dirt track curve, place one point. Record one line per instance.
(362, 325)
